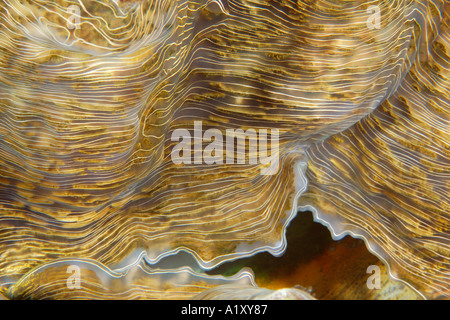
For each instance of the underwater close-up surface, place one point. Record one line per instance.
(225, 149)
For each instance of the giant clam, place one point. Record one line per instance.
(92, 93)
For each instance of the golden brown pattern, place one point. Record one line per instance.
(87, 114)
(387, 178)
(138, 281)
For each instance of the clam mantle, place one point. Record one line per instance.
(87, 114)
